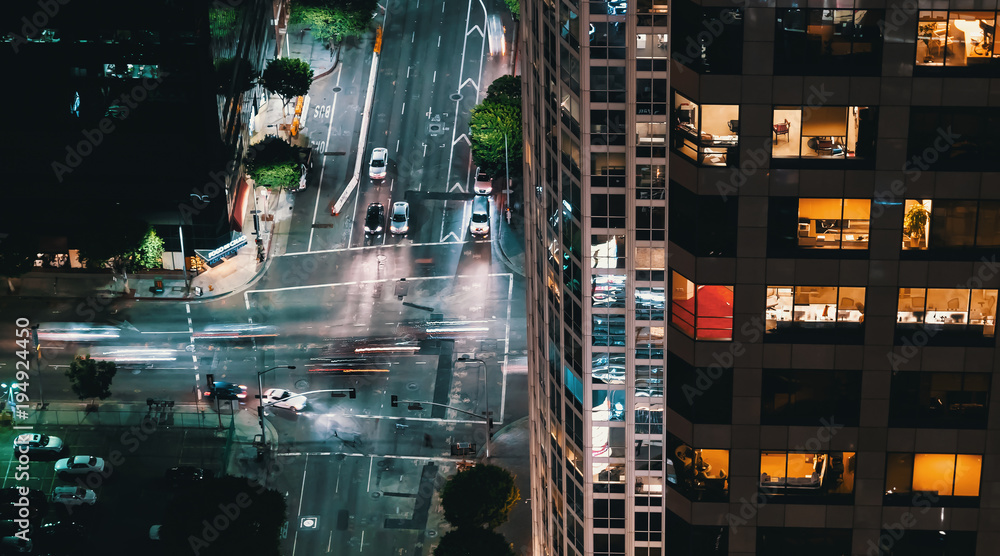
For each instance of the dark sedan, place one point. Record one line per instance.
(227, 391)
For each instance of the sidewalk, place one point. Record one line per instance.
(510, 444)
(510, 240)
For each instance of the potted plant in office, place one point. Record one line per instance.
(915, 223)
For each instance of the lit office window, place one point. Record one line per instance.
(939, 309)
(701, 312)
(650, 181)
(651, 139)
(931, 476)
(607, 251)
(807, 473)
(948, 223)
(825, 132)
(700, 474)
(607, 169)
(815, 307)
(834, 223)
(955, 39)
(828, 42)
(707, 134)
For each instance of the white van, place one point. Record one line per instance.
(480, 225)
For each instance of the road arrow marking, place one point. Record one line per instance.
(470, 82)
(457, 186)
(475, 28)
(445, 238)
(460, 137)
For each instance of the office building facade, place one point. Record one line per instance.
(815, 189)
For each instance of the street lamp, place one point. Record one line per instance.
(486, 393)
(260, 400)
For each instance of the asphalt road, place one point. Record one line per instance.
(333, 291)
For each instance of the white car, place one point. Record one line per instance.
(38, 443)
(79, 465)
(484, 185)
(496, 32)
(284, 399)
(380, 159)
(399, 222)
(74, 496)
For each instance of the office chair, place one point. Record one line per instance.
(782, 129)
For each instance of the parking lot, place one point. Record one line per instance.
(131, 492)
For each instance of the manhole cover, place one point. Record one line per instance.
(435, 128)
(456, 96)
(431, 533)
(302, 384)
(336, 89)
(376, 494)
(411, 386)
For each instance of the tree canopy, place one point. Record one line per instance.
(149, 254)
(17, 254)
(480, 496)
(91, 378)
(287, 77)
(515, 7)
(275, 164)
(333, 20)
(496, 138)
(473, 541)
(224, 516)
(505, 89)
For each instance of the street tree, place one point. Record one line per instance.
(505, 89)
(495, 130)
(515, 8)
(473, 541)
(287, 77)
(17, 256)
(149, 254)
(480, 496)
(224, 516)
(330, 21)
(275, 164)
(90, 378)
(234, 74)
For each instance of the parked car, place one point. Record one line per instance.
(374, 219)
(74, 496)
(226, 391)
(400, 222)
(79, 465)
(484, 185)
(187, 474)
(378, 164)
(284, 399)
(34, 443)
(24, 497)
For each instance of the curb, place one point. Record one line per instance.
(506, 260)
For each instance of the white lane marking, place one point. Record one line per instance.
(187, 306)
(442, 7)
(189, 330)
(439, 41)
(363, 247)
(454, 125)
(322, 167)
(359, 454)
(397, 145)
(435, 78)
(409, 279)
(305, 468)
(371, 462)
(475, 28)
(361, 548)
(403, 112)
(407, 72)
(414, 34)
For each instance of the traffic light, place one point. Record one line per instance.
(352, 394)
(394, 400)
(211, 381)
